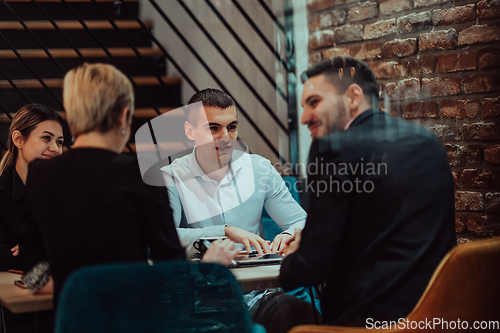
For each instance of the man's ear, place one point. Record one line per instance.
(354, 96)
(189, 129)
(18, 139)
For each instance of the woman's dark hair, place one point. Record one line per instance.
(342, 71)
(25, 121)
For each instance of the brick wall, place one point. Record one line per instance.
(438, 62)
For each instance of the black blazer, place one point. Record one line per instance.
(11, 203)
(377, 245)
(89, 207)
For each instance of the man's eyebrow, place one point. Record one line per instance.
(234, 123)
(308, 100)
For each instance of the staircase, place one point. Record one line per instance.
(52, 36)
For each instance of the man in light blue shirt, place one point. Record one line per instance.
(220, 189)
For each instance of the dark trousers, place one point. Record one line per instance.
(279, 312)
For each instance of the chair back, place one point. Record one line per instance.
(166, 297)
(270, 228)
(465, 286)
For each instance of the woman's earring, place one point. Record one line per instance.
(123, 132)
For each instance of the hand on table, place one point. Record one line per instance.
(280, 242)
(220, 252)
(15, 250)
(248, 239)
(294, 243)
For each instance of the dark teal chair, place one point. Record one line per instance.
(270, 228)
(166, 297)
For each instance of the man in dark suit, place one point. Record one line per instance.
(381, 211)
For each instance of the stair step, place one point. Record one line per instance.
(72, 25)
(143, 113)
(58, 83)
(86, 52)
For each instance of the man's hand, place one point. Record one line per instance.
(15, 250)
(280, 242)
(248, 239)
(294, 243)
(220, 252)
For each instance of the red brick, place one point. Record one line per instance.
(460, 223)
(380, 29)
(348, 33)
(406, 89)
(453, 15)
(419, 110)
(481, 131)
(492, 154)
(387, 69)
(427, 3)
(457, 62)
(366, 51)
(481, 83)
(442, 86)
(480, 178)
(492, 203)
(438, 40)
(394, 6)
(422, 65)
(325, 20)
(317, 5)
(455, 178)
(314, 57)
(479, 34)
(483, 226)
(466, 200)
(400, 47)
(330, 53)
(474, 154)
(460, 155)
(366, 11)
(460, 109)
(414, 22)
(445, 132)
(489, 58)
(491, 107)
(321, 39)
(487, 9)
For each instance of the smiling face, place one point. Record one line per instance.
(325, 111)
(45, 141)
(214, 132)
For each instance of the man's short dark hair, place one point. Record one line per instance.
(342, 71)
(211, 98)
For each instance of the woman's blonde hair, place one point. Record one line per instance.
(25, 121)
(94, 97)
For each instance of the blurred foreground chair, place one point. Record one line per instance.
(465, 286)
(166, 297)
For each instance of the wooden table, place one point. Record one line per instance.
(20, 300)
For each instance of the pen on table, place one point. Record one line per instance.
(207, 245)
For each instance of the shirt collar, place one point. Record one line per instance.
(18, 188)
(235, 165)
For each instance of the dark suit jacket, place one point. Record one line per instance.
(90, 207)
(11, 203)
(377, 245)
